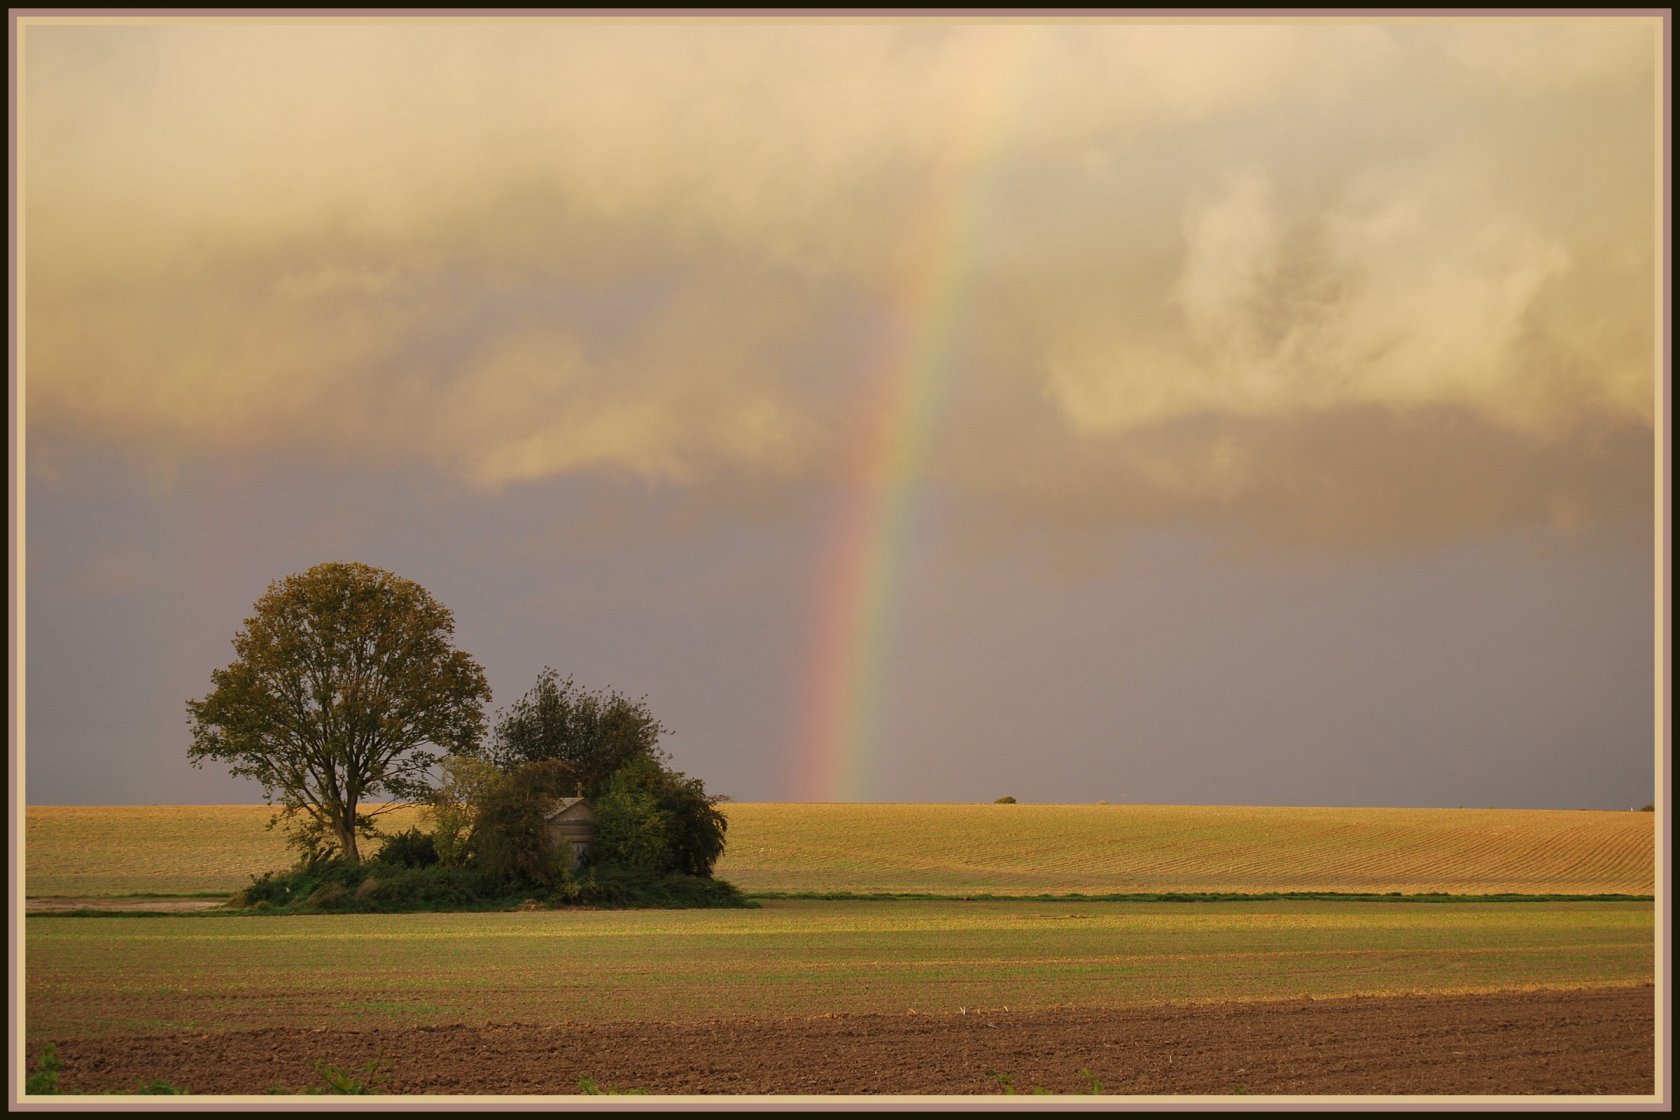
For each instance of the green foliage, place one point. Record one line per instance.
(426, 888)
(1008, 1084)
(620, 887)
(654, 828)
(159, 1087)
(270, 889)
(1004, 800)
(510, 839)
(698, 826)
(454, 805)
(344, 675)
(594, 734)
(658, 822)
(367, 1081)
(632, 829)
(370, 1081)
(412, 848)
(43, 1079)
(1648, 808)
(372, 887)
(315, 843)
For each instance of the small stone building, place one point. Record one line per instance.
(572, 819)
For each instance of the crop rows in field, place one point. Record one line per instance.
(963, 849)
(90, 977)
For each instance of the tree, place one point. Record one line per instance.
(510, 841)
(454, 805)
(345, 674)
(659, 821)
(596, 734)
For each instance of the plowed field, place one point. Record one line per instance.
(1592, 1041)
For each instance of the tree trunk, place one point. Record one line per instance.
(346, 828)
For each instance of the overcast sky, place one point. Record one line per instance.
(1194, 413)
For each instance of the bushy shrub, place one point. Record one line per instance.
(281, 889)
(624, 887)
(1004, 800)
(431, 888)
(43, 1079)
(267, 889)
(408, 849)
(327, 896)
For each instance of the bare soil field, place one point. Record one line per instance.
(1588, 1042)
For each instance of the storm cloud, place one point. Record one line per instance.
(506, 251)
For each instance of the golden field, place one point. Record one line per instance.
(951, 849)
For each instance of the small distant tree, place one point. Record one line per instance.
(1004, 800)
(345, 675)
(595, 734)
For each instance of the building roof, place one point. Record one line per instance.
(565, 805)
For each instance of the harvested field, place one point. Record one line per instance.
(962, 849)
(1590, 1042)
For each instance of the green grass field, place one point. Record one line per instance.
(961, 849)
(91, 977)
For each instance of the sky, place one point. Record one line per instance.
(1192, 412)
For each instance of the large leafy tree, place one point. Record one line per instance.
(595, 734)
(345, 676)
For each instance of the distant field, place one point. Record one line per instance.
(1031, 849)
(962, 849)
(101, 977)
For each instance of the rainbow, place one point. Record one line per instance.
(858, 584)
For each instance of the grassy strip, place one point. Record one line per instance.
(1188, 896)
